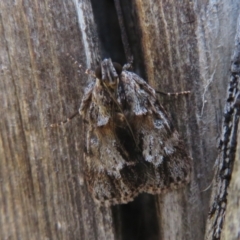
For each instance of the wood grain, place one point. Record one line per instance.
(177, 46)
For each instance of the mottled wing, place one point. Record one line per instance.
(169, 164)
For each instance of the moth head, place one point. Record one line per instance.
(109, 72)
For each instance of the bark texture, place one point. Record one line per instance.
(176, 45)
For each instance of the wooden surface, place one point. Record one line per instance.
(178, 45)
(232, 218)
(225, 199)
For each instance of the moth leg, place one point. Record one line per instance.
(75, 62)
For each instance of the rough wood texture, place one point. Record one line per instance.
(177, 45)
(42, 195)
(191, 52)
(232, 218)
(222, 203)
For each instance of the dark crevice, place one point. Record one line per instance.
(109, 33)
(108, 30)
(136, 220)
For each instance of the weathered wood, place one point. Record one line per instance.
(42, 195)
(222, 203)
(188, 47)
(178, 45)
(232, 218)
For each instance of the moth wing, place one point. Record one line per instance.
(169, 166)
(114, 176)
(108, 190)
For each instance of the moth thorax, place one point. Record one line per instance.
(108, 72)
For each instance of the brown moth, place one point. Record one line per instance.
(131, 145)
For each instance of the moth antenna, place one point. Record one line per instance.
(65, 121)
(75, 62)
(208, 187)
(174, 94)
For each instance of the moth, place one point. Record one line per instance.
(131, 146)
